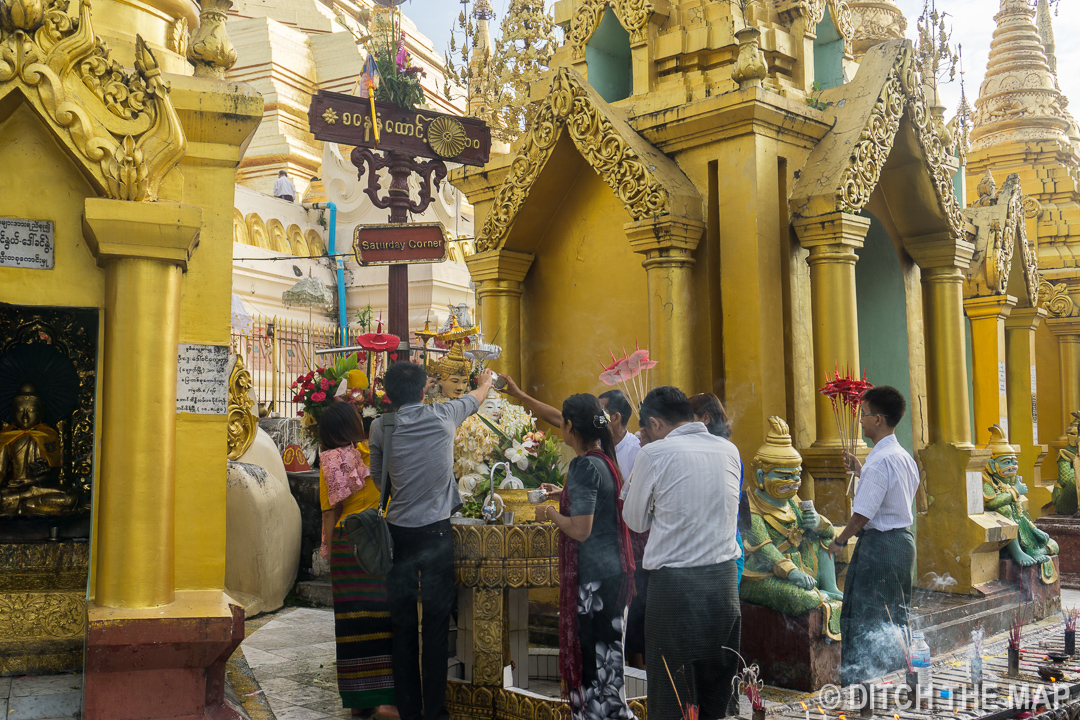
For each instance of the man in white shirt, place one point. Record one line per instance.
(877, 591)
(283, 187)
(685, 492)
(626, 443)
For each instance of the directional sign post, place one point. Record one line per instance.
(403, 136)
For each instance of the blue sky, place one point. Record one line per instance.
(972, 20)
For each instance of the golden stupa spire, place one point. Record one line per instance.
(1019, 100)
(875, 21)
(1046, 32)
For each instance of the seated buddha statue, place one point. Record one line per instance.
(1003, 493)
(30, 460)
(1064, 496)
(787, 565)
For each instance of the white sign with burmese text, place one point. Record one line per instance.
(202, 379)
(26, 243)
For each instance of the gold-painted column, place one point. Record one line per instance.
(1023, 411)
(987, 315)
(498, 275)
(832, 241)
(943, 261)
(144, 248)
(1067, 332)
(668, 244)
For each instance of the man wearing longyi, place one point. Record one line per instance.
(877, 591)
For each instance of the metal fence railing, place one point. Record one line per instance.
(277, 350)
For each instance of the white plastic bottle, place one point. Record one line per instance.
(920, 658)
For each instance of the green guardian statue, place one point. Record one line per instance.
(1003, 489)
(787, 567)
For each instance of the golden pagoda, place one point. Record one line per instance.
(1021, 126)
(730, 184)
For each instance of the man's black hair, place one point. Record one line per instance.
(666, 403)
(404, 383)
(888, 401)
(617, 403)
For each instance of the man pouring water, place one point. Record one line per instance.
(877, 591)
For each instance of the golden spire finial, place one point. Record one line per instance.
(1019, 99)
(875, 21)
(211, 51)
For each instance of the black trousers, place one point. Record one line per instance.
(423, 568)
(693, 620)
(877, 596)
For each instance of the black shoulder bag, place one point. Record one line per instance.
(367, 531)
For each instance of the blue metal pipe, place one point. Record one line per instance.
(343, 321)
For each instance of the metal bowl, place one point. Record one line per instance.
(1051, 673)
(1057, 657)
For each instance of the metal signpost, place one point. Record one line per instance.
(404, 135)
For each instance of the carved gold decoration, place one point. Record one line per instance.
(487, 637)
(240, 231)
(750, 68)
(1056, 300)
(178, 36)
(496, 556)
(330, 116)
(73, 336)
(28, 616)
(466, 701)
(242, 424)
(315, 243)
(633, 15)
(211, 51)
(1032, 207)
(987, 189)
(1001, 233)
(903, 90)
(875, 21)
(568, 106)
(119, 124)
(446, 136)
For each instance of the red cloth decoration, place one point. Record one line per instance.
(379, 342)
(570, 661)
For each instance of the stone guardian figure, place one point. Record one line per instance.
(1064, 495)
(787, 566)
(1002, 493)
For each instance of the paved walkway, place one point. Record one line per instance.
(45, 697)
(293, 660)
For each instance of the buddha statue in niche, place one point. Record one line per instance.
(1004, 492)
(30, 460)
(787, 567)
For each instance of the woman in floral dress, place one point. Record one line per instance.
(596, 566)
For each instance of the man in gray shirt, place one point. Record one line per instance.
(423, 495)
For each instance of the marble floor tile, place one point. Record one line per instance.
(5, 687)
(54, 705)
(294, 712)
(44, 684)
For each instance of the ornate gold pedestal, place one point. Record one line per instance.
(42, 607)
(494, 565)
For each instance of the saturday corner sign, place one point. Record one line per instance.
(346, 119)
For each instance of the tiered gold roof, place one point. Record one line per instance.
(1019, 99)
(875, 21)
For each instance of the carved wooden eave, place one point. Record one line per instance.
(998, 229)
(880, 115)
(118, 125)
(648, 183)
(633, 15)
